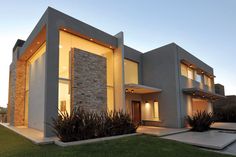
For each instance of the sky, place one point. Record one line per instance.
(205, 28)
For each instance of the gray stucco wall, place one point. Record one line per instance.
(89, 81)
(186, 100)
(160, 71)
(36, 94)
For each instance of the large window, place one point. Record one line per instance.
(198, 77)
(68, 42)
(186, 71)
(207, 81)
(38, 53)
(131, 72)
(156, 110)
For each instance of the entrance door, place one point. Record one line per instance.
(136, 111)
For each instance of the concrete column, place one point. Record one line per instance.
(119, 73)
(51, 76)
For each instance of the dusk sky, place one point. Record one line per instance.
(205, 28)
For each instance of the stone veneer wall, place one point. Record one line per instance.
(11, 96)
(88, 80)
(16, 91)
(20, 93)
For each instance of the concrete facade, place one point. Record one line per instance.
(159, 76)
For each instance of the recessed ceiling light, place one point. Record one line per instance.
(38, 42)
(64, 29)
(91, 39)
(111, 47)
(60, 46)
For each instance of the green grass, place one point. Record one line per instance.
(12, 144)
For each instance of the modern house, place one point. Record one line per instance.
(66, 63)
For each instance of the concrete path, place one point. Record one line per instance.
(213, 139)
(224, 126)
(31, 134)
(160, 131)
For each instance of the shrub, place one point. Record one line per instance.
(82, 124)
(225, 115)
(201, 121)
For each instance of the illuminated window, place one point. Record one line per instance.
(67, 43)
(208, 81)
(38, 53)
(198, 77)
(190, 73)
(64, 96)
(156, 110)
(184, 70)
(131, 72)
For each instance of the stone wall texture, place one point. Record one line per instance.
(88, 81)
(19, 115)
(16, 91)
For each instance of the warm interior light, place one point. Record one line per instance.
(190, 66)
(132, 91)
(64, 29)
(126, 90)
(111, 47)
(91, 39)
(60, 46)
(38, 42)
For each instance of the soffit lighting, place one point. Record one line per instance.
(38, 42)
(91, 39)
(132, 91)
(64, 29)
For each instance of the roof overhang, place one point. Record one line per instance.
(199, 93)
(141, 89)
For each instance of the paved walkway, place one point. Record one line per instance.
(32, 134)
(213, 139)
(160, 131)
(224, 126)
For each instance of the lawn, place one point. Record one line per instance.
(13, 145)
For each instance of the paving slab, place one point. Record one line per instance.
(33, 135)
(224, 126)
(160, 131)
(231, 149)
(213, 139)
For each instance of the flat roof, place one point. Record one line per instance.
(141, 89)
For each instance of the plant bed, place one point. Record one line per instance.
(201, 121)
(74, 143)
(83, 124)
